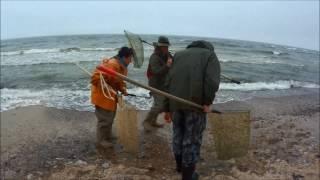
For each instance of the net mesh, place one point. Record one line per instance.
(231, 133)
(136, 44)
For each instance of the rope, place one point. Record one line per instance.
(103, 83)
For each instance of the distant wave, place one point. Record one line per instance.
(274, 52)
(267, 85)
(266, 61)
(54, 50)
(44, 61)
(291, 48)
(224, 44)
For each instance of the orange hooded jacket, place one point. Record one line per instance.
(97, 97)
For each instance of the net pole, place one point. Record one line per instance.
(157, 91)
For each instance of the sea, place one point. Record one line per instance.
(42, 70)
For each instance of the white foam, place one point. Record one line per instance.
(267, 85)
(276, 52)
(256, 61)
(60, 98)
(64, 98)
(142, 102)
(30, 51)
(98, 49)
(55, 50)
(139, 91)
(11, 53)
(52, 58)
(37, 51)
(292, 48)
(80, 99)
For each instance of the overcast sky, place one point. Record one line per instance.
(294, 23)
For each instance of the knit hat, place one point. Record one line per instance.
(162, 41)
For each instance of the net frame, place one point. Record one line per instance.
(135, 43)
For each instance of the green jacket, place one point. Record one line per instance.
(159, 71)
(194, 76)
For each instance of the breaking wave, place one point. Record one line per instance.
(267, 85)
(59, 98)
(80, 99)
(54, 50)
(267, 52)
(265, 61)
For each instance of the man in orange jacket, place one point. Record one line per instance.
(105, 98)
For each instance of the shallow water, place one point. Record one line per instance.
(41, 70)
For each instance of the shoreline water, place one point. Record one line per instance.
(41, 70)
(79, 99)
(47, 142)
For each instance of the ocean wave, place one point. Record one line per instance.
(276, 52)
(281, 84)
(54, 50)
(71, 99)
(59, 98)
(30, 51)
(292, 48)
(271, 52)
(11, 53)
(98, 49)
(24, 63)
(264, 61)
(64, 98)
(80, 99)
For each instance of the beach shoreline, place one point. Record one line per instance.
(45, 142)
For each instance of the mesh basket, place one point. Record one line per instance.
(231, 133)
(127, 127)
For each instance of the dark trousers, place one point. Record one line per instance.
(156, 108)
(188, 127)
(104, 125)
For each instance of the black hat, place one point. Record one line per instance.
(125, 52)
(162, 41)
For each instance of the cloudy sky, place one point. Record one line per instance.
(294, 23)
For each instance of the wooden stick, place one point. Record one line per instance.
(170, 96)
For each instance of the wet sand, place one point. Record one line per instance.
(52, 143)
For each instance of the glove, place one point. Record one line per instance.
(207, 108)
(124, 92)
(167, 117)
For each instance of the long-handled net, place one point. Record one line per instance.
(136, 44)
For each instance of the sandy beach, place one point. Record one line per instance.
(47, 143)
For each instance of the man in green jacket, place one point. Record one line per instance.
(194, 76)
(159, 64)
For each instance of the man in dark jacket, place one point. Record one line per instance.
(159, 64)
(194, 76)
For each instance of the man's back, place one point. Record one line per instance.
(195, 75)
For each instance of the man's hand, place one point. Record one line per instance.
(207, 108)
(124, 93)
(167, 117)
(169, 62)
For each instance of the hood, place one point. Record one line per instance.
(201, 44)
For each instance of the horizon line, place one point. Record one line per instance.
(57, 35)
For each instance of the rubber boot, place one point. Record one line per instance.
(155, 124)
(188, 173)
(150, 123)
(178, 163)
